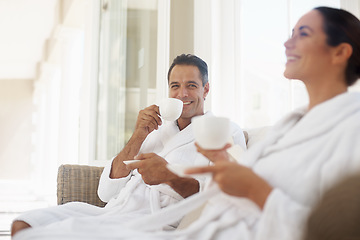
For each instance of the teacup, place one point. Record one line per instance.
(170, 108)
(211, 132)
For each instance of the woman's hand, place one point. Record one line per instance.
(237, 180)
(217, 155)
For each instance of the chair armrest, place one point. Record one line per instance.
(78, 183)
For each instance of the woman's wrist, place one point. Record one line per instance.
(260, 192)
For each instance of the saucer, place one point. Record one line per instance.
(180, 171)
(131, 161)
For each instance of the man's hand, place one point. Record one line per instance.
(148, 120)
(154, 171)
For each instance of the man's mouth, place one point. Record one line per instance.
(187, 103)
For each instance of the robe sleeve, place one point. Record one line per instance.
(282, 218)
(108, 187)
(285, 218)
(238, 136)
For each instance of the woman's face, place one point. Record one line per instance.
(308, 54)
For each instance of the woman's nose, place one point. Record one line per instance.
(289, 43)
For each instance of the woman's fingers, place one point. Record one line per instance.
(198, 170)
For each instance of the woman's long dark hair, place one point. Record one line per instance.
(341, 26)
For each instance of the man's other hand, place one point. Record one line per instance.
(153, 169)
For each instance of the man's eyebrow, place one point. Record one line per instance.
(194, 82)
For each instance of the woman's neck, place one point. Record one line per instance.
(323, 93)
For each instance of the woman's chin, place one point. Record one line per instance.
(289, 75)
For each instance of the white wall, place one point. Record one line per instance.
(15, 126)
(24, 27)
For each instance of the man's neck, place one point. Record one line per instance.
(183, 123)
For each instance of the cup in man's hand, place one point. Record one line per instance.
(170, 108)
(211, 132)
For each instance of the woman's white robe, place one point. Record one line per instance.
(130, 197)
(302, 156)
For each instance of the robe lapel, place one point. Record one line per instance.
(174, 141)
(301, 127)
(172, 137)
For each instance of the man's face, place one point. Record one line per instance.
(185, 84)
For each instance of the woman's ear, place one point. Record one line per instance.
(342, 53)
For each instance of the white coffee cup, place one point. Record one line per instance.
(211, 132)
(170, 108)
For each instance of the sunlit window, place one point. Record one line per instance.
(127, 71)
(267, 95)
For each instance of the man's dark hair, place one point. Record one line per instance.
(192, 60)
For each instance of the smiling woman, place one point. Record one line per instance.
(264, 93)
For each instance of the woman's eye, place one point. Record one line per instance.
(304, 34)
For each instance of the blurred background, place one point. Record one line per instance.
(75, 73)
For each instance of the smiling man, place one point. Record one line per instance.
(188, 81)
(144, 187)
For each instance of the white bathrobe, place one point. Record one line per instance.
(301, 158)
(131, 194)
(130, 197)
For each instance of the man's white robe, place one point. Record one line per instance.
(130, 197)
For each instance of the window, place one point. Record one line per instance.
(268, 95)
(127, 70)
(247, 57)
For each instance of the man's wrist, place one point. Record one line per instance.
(118, 168)
(138, 136)
(184, 186)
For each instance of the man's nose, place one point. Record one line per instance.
(183, 92)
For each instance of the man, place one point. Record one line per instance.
(157, 144)
(144, 187)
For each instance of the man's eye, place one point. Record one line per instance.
(174, 86)
(192, 86)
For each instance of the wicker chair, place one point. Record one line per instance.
(78, 183)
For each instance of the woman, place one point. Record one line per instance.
(278, 181)
(312, 147)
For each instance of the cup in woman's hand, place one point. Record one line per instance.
(211, 132)
(170, 108)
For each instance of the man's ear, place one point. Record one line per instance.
(342, 53)
(206, 89)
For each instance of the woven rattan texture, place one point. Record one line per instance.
(78, 183)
